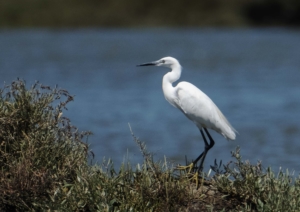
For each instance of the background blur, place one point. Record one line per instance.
(243, 54)
(145, 13)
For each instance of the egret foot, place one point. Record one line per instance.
(192, 177)
(189, 167)
(196, 178)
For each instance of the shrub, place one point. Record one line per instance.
(44, 167)
(39, 147)
(257, 188)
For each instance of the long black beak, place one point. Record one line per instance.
(149, 64)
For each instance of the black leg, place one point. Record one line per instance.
(212, 142)
(206, 144)
(206, 148)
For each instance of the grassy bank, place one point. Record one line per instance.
(45, 167)
(148, 13)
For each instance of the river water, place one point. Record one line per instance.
(253, 75)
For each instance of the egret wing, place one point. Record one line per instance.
(200, 109)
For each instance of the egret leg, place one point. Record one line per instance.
(206, 149)
(191, 166)
(202, 156)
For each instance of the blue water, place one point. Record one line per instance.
(253, 75)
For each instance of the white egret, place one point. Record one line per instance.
(195, 105)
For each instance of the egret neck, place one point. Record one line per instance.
(168, 79)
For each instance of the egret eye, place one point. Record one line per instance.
(163, 61)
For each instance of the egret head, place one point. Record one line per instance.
(169, 62)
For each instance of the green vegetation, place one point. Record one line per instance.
(136, 13)
(45, 167)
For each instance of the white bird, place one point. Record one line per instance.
(195, 105)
